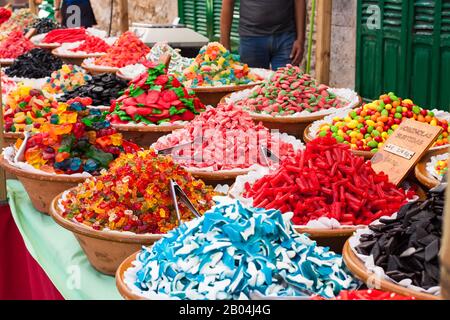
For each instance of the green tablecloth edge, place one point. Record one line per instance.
(98, 286)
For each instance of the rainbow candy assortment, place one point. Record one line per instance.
(216, 66)
(66, 79)
(234, 252)
(75, 140)
(27, 109)
(133, 195)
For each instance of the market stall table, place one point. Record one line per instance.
(57, 251)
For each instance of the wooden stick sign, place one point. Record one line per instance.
(404, 148)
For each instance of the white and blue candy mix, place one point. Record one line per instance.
(235, 252)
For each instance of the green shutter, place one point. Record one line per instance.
(409, 54)
(203, 16)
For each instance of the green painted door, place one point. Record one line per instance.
(404, 46)
(203, 16)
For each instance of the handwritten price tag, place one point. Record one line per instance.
(404, 148)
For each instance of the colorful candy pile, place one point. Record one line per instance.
(65, 35)
(102, 88)
(37, 63)
(45, 25)
(22, 19)
(327, 180)
(15, 45)
(290, 91)
(370, 294)
(407, 247)
(229, 140)
(133, 195)
(8, 85)
(27, 108)
(68, 78)
(156, 97)
(441, 167)
(224, 255)
(128, 49)
(75, 140)
(216, 66)
(5, 14)
(367, 128)
(92, 44)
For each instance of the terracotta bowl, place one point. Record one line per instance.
(6, 62)
(213, 95)
(333, 238)
(47, 46)
(123, 289)
(11, 138)
(99, 70)
(104, 250)
(356, 266)
(41, 188)
(144, 136)
(120, 75)
(74, 58)
(216, 178)
(421, 172)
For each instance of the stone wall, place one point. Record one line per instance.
(148, 11)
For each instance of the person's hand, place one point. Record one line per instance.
(58, 16)
(297, 52)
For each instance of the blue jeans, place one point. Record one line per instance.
(267, 51)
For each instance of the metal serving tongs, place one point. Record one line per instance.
(268, 155)
(177, 193)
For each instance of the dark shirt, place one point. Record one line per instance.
(266, 17)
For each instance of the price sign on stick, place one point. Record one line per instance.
(404, 148)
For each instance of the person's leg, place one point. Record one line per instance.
(255, 51)
(282, 48)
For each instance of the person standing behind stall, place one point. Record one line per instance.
(272, 33)
(66, 16)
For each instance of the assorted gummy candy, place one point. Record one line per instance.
(68, 78)
(45, 25)
(368, 127)
(22, 19)
(75, 140)
(15, 45)
(290, 91)
(92, 44)
(236, 252)
(155, 97)
(229, 140)
(216, 66)
(128, 49)
(27, 109)
(133, 195)
(8, 85)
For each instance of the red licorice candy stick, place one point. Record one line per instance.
(328, 180)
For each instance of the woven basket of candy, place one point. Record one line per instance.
(367, 128)
(290, 100)
(105, 250)
(41, 187)
(432, 168)
(385, 256)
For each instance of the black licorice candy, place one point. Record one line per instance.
(35, 64)
(101, 88)
(408, 247)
